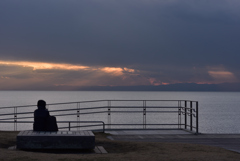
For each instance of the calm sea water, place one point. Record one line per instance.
(218, 111)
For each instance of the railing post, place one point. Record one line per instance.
(103, 127)
(15, 118)
(179, 115)
(196, 117)
(69, 126)
(144, 114)
(191, 115)
(185, 111)
(109, 114)
(78, 115)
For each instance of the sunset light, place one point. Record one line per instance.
(41, 65)
(117, 71)
(222, 76)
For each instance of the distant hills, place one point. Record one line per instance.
(170, 87)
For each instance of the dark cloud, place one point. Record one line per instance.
(169, 40)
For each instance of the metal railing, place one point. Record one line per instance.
(112, 114)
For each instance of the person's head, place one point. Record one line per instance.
(41, 103)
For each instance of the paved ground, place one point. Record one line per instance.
(227, 141)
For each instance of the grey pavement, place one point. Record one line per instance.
(226, 141)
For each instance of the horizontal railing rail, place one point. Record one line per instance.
(69, 127)
(184, 111)
(101, 101)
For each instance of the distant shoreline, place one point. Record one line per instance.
(184, 87)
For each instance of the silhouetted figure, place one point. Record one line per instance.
(42, 120)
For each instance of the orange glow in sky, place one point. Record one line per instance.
(19, 74)
(41, 65)
(117, 71)
(222, 76)
(129, 70)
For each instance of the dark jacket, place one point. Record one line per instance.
(40, 119)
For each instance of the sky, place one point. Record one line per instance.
(74, 44)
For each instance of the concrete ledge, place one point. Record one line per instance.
(56, 140)
(100, 150)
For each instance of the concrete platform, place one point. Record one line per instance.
(148, 132)
(56, 140)
(226, 141)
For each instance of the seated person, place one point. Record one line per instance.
(42, 119)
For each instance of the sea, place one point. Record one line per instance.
(218, 111)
